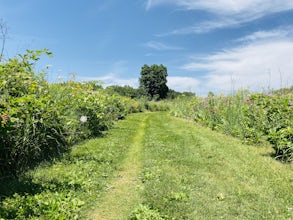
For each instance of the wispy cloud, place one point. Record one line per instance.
(182, 84)
(153, 3)
(161, 46)
(260, 63)
(203, 27)
(227, 13)
(281, 33)
(111, 79)
(241, 8)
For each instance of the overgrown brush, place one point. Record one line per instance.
(30, 128)
(255, 118)
(39, 121)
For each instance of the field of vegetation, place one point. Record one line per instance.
(154, 166)
(65, 153)
(39, 121)
(256, 118)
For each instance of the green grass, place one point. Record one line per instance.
(69, 188)
(124, 194)
(154, 166)
(191, 172)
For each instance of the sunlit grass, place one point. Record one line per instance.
(193, 173)
(177, 170)
(69, 188)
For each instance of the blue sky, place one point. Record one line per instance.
(207, 45)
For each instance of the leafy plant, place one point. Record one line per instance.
(39, 121)
(143, 212)
(255, 118)
(30, 130)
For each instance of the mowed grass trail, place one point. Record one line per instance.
(152, 166)
(123, 194)
(190, 172)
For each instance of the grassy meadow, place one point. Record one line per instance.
(154, 166)
(72, 150)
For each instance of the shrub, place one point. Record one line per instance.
(30, 130)
(255, 118)
(40, 121)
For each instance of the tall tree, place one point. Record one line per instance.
(153, 81)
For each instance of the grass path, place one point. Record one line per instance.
(123, 195)
(190, 172)
(153, 166)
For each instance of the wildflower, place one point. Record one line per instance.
(5, 119)
(249, 101)
(83, 119)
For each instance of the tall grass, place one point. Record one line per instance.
(39, 121)
(255, 118)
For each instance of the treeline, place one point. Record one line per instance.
(138, 93)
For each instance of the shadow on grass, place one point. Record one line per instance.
(20, 185)
(18, 182)
(23, 184)
(26, 186)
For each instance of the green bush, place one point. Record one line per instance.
(30, 130)
(39, 121)
(255, 118)
(273, 117)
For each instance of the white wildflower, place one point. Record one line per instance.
(83, 119)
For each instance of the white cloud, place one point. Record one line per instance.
(227, 13)
(111, 79)
(280, 33)
(242, 8)
(160, 46)
(182, 84)
(153, 3)
(259, 64)
(203, 27)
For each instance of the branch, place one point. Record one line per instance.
(3, 36)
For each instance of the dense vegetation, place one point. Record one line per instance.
(154, 166)
(153, 81)
(40, 120)
(255, 118)
(70, 186)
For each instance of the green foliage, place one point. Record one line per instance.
(143, 212)
(153, 81)
(155, 106)
(272, 115)
(255, 118)
(58, 205)
(40, 121)
(70, 186)
(186, 172)
(126, 91)
(191, 172)
(30, 130)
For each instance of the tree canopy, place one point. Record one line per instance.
(153, 81)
